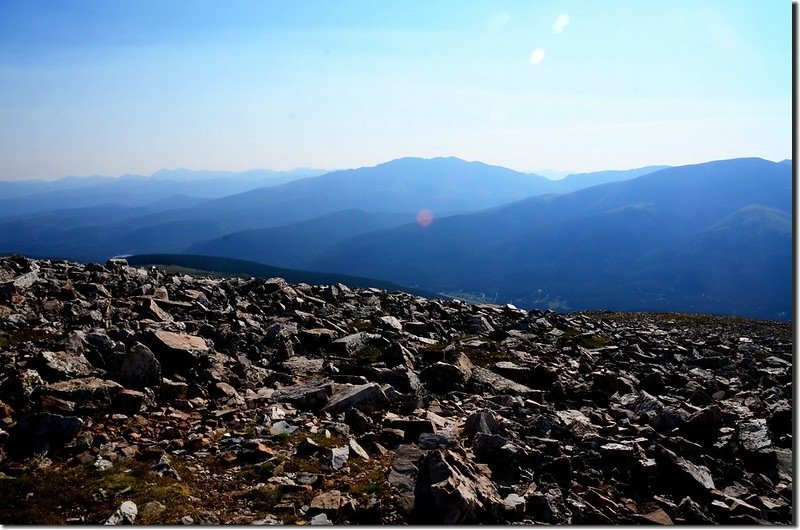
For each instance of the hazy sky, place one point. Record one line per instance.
(110, 87)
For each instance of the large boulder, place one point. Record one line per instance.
(312, 395)
(44, 432)
(140, 368)
(451, 490)
(88, 393)
(60, 365)
(178, 351)
(362, 397)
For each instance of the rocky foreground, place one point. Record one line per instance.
(135, 395)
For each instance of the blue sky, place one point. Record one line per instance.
(111, 87)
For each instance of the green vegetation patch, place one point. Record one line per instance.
(52, 496)
(263, 499)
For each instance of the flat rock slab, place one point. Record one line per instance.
(87, 390)
(312, 395)
(658, 516)
(177, 351)
(683, 473)
(63, 365)
(500, 384)
(181, 342)
(362, 397)
(576, 421)
(328, 503)
(353, 343)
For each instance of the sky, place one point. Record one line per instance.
(113, 87)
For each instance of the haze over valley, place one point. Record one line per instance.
(707, 238)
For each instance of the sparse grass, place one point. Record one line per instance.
(258, 472)
(283, 438)
(322, 440)
(261, 499)
(53, 495)
(369, 482)
(369, 477)
(304, 465)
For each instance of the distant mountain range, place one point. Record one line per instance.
(713, 237)
(33, 196)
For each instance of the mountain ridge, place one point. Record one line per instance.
(480, 243)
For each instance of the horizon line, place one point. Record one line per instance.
(536, 172)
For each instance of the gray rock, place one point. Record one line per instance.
(140, 368)
(441, 377)
(682, 473)
(450, 490)
(403, 476)
(62, 365)
(320, 519)
(351, 344)
(282, 428)
(338, 456)
(499, 384)
(357, 420)
(125, 514)
(437, 441)
(753, 435)
(478, 324)
(391, 322)
(514, 506)
(356, 449)
(577, 422)
(163, 468)
(693, 513)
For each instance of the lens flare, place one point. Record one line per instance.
(537, 56)
(424, 218)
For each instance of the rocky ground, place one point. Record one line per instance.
(134, 395)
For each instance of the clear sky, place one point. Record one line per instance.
(111, 87)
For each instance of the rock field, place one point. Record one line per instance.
(132, 395)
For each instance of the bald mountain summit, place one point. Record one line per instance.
(704, 238)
